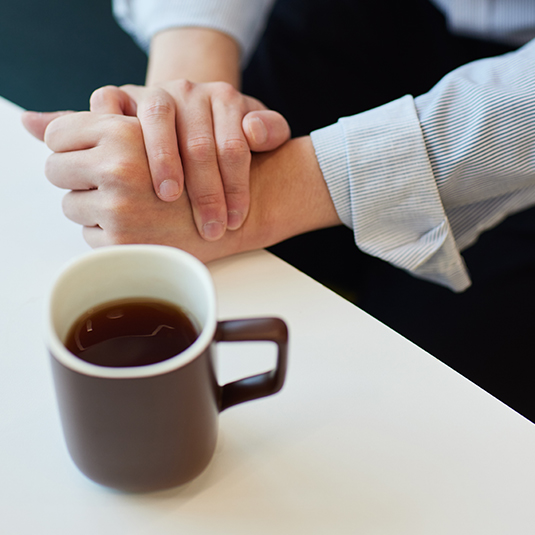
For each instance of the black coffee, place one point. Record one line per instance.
(131, 332)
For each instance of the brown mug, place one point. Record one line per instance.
(150, 427)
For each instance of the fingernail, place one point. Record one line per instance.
(258, 130)
(234, 219)
(169, 189)
(213, 230)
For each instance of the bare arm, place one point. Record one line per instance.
(196, 54)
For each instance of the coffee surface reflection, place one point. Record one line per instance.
(131, 332)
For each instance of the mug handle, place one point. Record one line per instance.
(264, 384)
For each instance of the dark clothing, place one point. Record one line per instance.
(322, 60)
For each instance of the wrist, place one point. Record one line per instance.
(289, 195)
(196, 54)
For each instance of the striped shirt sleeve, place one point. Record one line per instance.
(508, 21)
(418, 180)
(244, 20)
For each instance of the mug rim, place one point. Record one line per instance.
(60, 353)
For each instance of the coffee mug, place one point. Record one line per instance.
(149, 427)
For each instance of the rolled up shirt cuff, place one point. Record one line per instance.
(244, 20)
(381, 181)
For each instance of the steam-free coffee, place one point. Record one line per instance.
(131, 332)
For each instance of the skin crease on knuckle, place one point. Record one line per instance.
(209, 200)
(234, 152)
(158, 106)
(200, 149)
(237, 189)
(162, 154)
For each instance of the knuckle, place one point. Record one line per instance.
(123, 130)
(183, 85)
(225, 91)
(119, 171)
(200, 149)
(162, 154)
(159, 106)
(209, 200)
(234, 151)
(238, 190)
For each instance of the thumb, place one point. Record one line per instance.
(265, 130)
(36, 122)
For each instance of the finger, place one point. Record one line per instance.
(265, 130)
(95, 237)
(82, 207)
(74, 131)
(72, 170)
(156, 114)
(233, 156)
(111, 99)
(36, 122)
(199, 159)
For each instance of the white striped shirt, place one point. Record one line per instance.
(417, 179)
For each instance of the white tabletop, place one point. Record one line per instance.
(369, 435)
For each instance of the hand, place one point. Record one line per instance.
(200, 134)
(102, 159)
(217, 127)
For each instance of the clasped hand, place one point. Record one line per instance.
(196, 137)
(101, 159)
(110, 164)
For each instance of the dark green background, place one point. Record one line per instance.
(54, 53)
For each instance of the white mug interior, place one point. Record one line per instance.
(130, 271)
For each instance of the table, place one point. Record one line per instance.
(369, 435)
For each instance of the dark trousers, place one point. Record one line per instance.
(323, 59)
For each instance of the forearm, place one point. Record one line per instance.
(205, 50)
(196, 54)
